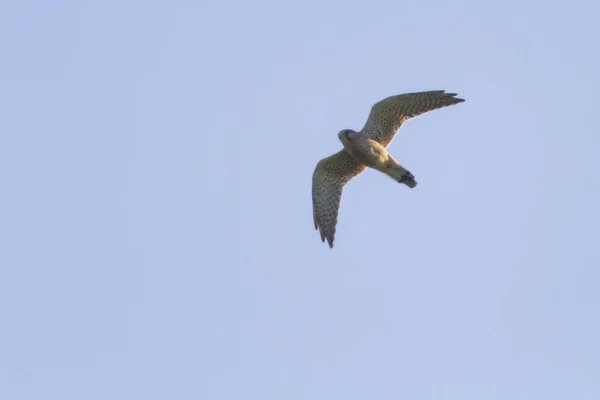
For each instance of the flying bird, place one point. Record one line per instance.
(367, 148)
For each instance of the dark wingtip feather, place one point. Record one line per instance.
(451, 96)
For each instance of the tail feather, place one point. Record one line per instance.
(408, 179)
(402, 175)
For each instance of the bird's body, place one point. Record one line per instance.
(364, 150)
(367, 148)
(371, 154)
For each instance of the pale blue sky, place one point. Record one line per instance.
(156, 225)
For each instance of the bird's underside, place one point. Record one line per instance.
(367, 148)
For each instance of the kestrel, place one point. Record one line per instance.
(367, 148)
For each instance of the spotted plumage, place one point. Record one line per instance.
(367, 148)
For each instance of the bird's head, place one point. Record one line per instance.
(346, 135)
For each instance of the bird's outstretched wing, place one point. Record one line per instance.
(329, 178)
(388, 115)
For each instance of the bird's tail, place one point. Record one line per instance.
(400, 174)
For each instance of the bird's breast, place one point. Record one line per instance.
(367, 152)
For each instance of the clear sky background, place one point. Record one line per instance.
(156, 228)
